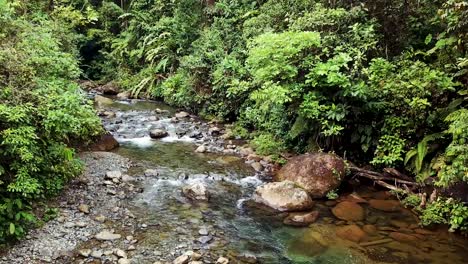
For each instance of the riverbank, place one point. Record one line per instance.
(130, 207)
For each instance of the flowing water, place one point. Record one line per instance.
(228, 225)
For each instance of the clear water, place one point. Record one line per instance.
(237, 229)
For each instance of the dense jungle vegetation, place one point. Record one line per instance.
(379, 82)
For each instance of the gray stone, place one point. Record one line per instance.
(113, 175)
(107, 236)
(158, 133)
(182, 115)
(201, 149)
(283, 196)
(85, 252)
(84, 208)
(184, 259)
(196, 191)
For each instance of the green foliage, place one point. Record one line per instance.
(41, 111)
(446, 211)
(382, 81)
(267, 144)
(332, 195)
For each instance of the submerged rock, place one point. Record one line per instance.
(352, 233)
(283, 196)
(196, 191)
(401, 237)
(158, 133)
(317, 173)
(385, 205)
(348, 211)
(301, 219)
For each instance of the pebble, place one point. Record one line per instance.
(205, 239)
(84, 208)
(124, 261)
(85, 252)
(120, 253)
(203, 231)
(184, 259)
(222, 260)
(96, 254)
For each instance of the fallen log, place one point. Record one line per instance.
(385, 181)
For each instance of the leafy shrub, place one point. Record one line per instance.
(446, 211)
(41, 111)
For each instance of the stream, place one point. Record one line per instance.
(155, 223)
(225, 226)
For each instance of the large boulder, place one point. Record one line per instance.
(106, 142)
(283, 196)
(102, 101)
(317, 173)
(109, 88)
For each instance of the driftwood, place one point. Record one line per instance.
(393, 172)
(396, 183)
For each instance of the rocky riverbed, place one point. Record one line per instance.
(178, 190)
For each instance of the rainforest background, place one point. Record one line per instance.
(378, 82)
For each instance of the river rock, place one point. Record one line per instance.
(84, 208)
(301, 219)
(110, 88)
(348, 211)
(124, 261)
(123, 95)
(107, 236)
(317, 173)
(201, 149)
(370, 229)
(353, 197)
(106, 142)
(151, 173)
(222, 260)
(182, 114)
(85, 252)
(113, 175)
(352, 233)
(214, 131)
(102, 101)
(283, 196)
(257, 166)
(97, 253)
(120, 253)
(205, 239)
(385, 205)
(196, 191)
(184, 259)
(158, 133)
